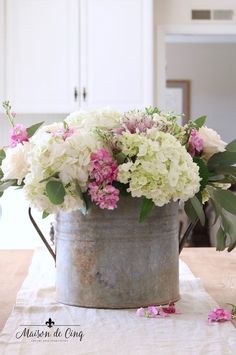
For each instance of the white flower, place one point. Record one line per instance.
(69, 158)
(165, 172)
(15, 166)
(103, 118)
(212, 142)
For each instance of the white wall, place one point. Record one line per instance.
(212, 71)
(178, 12)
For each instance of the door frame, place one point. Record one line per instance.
(160, 50)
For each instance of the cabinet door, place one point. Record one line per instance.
(42, 54)
(116, 53)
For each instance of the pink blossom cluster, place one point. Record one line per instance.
(157, 311)
(64, 133)
(135, 125)
(195, 143)
(104, 168)
(18, 135)
(104, 172)
(219, 315)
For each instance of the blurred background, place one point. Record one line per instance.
(57, 56)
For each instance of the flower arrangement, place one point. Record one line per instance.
(97, 157)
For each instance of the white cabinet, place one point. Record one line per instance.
(116, 53)
(62, 54)
(41, 54)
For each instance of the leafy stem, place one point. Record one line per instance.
(7, 107)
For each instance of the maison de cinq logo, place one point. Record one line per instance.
(49, 331)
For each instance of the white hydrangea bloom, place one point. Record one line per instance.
(70, 158)
(15, 165)
(163, 170)
(103, 118)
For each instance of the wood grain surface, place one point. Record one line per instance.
(217, 270)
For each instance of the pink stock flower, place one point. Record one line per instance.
(135, 125)
(140, 312)
(104, 197)
(195, 143)
(64, 133)
(18, 135)
(219, 315)
(157, 311)
(104, 168)
(169, 309)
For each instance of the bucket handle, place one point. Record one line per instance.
(181, 242)
(186, 234)
(40, 233)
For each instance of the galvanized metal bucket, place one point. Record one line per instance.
(107, 259)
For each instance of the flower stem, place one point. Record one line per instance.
(7, 107)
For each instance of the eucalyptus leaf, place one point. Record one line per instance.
(7, 184)
(45, 214)
(220, 239)
(226, 199)
(2, 156)
(32, 129)
(221, 159)
(55, 191)
(1, 193)
(1, 174)
(231, 147)
(190, 211)
(195, 210)
(200, 121)
(146, 208)
(54, 175)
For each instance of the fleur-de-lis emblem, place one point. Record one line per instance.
(49, 323)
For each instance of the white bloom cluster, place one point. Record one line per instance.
(15, 165)
(103, 118)
(163, 170)
(69, 157)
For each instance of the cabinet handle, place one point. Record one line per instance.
(84, 94)
(75, 94)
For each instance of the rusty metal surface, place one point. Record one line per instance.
(107, 259)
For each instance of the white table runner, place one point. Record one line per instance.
(104, 332)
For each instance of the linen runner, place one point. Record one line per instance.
(101, 332)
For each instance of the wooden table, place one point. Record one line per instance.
(216, 270)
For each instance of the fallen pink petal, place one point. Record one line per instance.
(219, 315)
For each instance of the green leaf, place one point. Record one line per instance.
(226, 199)
(45, 214)
(199, 122)
(78, 189)
(32, 129)
(1, 193)
(220, 240)
(7, 184)
(55, 175)
(1, 174)
(231, 246)
(146, 208)
(231, 147)
(194, 210)
(203, 172)
(221, 159)
(2, 156)
(122, 188)
(55, 191)
(120, 158)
